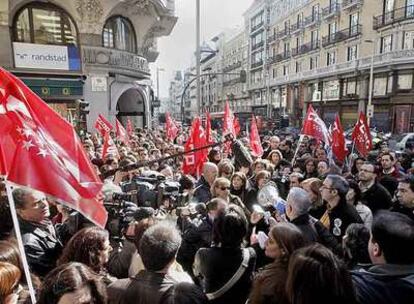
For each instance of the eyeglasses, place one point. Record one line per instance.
(224, 188)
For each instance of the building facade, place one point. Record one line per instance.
(321, 52)
(92, 50)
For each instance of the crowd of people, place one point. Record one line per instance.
(337, 233)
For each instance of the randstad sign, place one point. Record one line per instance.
(50, 57)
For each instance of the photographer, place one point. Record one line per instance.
(197, 230)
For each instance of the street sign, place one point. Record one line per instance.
(370, 111)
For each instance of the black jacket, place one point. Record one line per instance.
(376, 198)
(202, 193)
(217, 266)
(397, 207)
(385, 284)
(196, 233)
(314, 231)
(42, 246)
(145, 288)
(340, 217)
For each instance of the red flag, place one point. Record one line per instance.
(172, 130)
(130, 128)
(255, 143)
(338, 140)
(109, 147)
(228, 126)
(315, 127)
(42, 151)
(103, 125)
(362, 135)
(121, 133)
(194, 161)
(209, 136)
(236, 126)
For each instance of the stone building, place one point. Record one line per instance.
(320, 52)
(92, 50)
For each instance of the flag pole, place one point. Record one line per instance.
(20, 242)
(350, 162)
(297, 149)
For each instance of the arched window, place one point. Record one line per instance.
(118, 33)
(44, 24)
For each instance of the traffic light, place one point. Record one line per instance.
(83, 107)
(243, 76)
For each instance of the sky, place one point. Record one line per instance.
(176, 51)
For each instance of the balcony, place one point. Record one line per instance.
(331, 11)
(257, 64)
(257, 45)
(306, 48)
(256, 27)
(398, 15)
(272, 38)
(283, 33)
(342, 35)
(283, 56)
(296, 27)
(312, 20)
(351, 4)
(232, 66)
(274, 59)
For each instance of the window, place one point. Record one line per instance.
(405, 81)
(352, 52)
(118, 33)
(408, 42)
(44, 24)
(353, 23)
(313, 63)
(331, 58)
(332, 28)
(285, 70)
(286, 48)
(315, 12)
(410, 8)
(314, 37)
(274, 73)
(386, 44)
(298, 66)
(380, 86)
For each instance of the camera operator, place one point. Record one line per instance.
(123, 256)
(197, 227)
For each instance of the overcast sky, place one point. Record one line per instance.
(176, 50)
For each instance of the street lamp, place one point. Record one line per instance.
(370, 110)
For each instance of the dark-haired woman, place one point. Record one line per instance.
(91, 247)
(269, 283)
(72, 283)
(310, 168)
(316, 275)
(217, 265)
(355, 246)
(238, 186)
(353, 197)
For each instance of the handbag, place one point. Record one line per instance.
(239, 273)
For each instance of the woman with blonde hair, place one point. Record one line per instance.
(221, 189)
(9, 283)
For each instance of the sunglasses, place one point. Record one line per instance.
(224, 188)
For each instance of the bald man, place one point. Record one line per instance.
(202, 193)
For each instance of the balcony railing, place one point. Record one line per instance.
(232, 66)
(348, 4)
(257, 26)
(332, 10)
(274, 59)
(342, 35)
(312, 20)
(398, 15)
(283, 56)
(297, 26)
(306, 48)
(257, 45)
(271, 38)
(283, 33)
(256, 64)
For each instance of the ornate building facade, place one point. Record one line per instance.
(92, 50)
